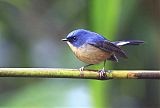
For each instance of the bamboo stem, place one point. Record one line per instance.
(75, 73)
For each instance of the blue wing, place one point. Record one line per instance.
(108, 47)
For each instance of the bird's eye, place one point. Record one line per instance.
(74, 38)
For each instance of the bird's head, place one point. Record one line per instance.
(78, 37)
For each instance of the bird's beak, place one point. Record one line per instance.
(65, 39)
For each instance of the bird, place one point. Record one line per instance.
(93, 48)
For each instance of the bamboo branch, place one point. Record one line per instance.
(75, 73)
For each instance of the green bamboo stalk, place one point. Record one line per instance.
(75, 73)
(104, 19)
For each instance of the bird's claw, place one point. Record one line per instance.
(102, 73)
(81, 71)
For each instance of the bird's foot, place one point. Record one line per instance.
(81, 71)
(82, 68)
(102, 74)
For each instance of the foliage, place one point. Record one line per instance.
(30, 33)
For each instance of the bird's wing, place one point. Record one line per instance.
(128, 42)
(108, 47)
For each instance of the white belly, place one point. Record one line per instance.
(90, 54)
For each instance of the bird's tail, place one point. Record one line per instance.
(128, 42)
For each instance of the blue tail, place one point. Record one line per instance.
(128, 42)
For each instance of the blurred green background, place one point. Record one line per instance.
(30, 36)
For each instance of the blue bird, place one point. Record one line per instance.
(92, 48)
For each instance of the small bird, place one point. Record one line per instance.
(92, 48)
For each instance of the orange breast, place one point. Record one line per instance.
(90, 54)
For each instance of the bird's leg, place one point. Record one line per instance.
(102, 71)
(104, 65)
(82, 68)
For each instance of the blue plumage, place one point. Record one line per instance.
(93, 48)
(81, 36)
